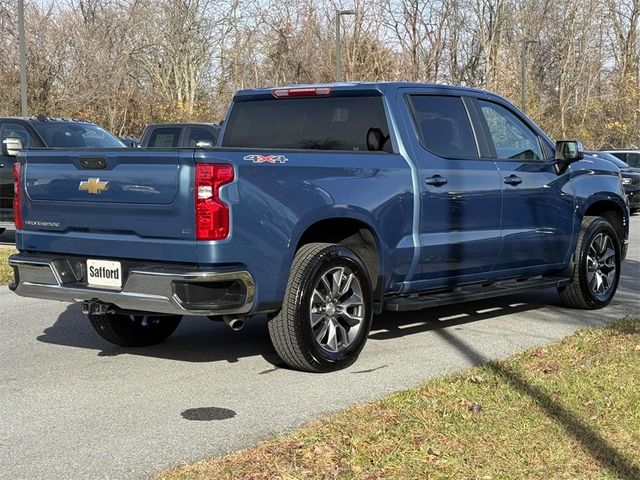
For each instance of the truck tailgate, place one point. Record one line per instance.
(110, 203)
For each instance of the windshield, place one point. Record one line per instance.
(607, 156)
(75, 135)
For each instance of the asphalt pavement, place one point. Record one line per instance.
(73, 406)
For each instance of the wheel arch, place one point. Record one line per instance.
(611, 208)
(352, 228)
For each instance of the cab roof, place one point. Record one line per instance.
(355, 88)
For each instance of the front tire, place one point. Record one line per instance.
(327, 311)
(134, 330)
(596, 270)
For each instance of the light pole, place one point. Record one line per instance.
(23, 59)
(339, 14)
(523, 66)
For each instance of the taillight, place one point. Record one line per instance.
(17, 199)
(301, 92)
(212, 214)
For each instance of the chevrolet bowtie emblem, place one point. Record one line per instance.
(93, 185)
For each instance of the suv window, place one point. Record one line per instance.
(201, 134)
(14, 130)
(443, 126)
(633, 159)
(512, 138)
(165, 137)
(327, 123)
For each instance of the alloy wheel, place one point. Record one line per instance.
(337, 309)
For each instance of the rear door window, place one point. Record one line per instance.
(327, 123)
(443, 126)
(165, 137)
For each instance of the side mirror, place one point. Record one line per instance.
(11, 146)
(567, 152)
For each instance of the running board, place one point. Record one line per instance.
(471, 292)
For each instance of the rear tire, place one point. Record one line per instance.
(596, 270)
(134, 330)
(327, 311)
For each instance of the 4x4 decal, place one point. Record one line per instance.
(266, 158)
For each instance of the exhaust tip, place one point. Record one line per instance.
(236, 324)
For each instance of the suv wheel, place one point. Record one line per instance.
(327, 312)
(596, 269)
(134, 330)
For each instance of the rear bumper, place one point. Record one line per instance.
(174, 289)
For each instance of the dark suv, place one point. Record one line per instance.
(630, 178)
(630, 157)
(37, 132)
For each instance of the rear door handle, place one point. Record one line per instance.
(1, 165)
(513, 180)
(436, 180)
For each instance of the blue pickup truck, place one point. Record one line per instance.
(321, 206)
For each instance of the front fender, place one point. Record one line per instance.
(597, 185)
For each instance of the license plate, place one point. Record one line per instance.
(104, 273)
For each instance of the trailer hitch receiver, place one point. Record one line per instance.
(96, 307)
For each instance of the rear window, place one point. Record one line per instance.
(443, 126)
(165, 137)
(335, 123)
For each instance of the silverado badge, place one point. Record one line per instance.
(93, 185)
(266, 158)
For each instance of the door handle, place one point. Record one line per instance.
(436, 180)
(1, 165)
(513, 180)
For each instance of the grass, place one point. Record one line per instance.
(6, 272)
(569, 410)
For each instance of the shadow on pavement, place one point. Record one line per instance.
(630, 275)
(393, 325)
(399, 324)
(197, 339)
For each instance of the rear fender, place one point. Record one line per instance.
(330, 213)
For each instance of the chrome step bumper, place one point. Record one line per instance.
(178, 290)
